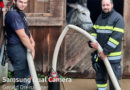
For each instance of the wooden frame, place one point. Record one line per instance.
(48, 19)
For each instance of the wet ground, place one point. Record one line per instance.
(76, 84)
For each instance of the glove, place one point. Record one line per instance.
(96, 67)
(97, 64)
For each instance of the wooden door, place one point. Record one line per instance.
(46, 20)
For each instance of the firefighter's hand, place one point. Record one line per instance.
(102, 55)
(94, 45)
(33, 53)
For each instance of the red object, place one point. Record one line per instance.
(30, 77)
(53, 77)
(1, 4)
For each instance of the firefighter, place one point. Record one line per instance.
(18, 40)
(108, 31)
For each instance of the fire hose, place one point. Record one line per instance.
(32, 70)
(86, 34)
(4, 69)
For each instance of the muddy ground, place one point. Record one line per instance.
(76, 84)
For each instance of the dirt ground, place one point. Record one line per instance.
(76, 84)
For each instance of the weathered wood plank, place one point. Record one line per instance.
(77, 54)
(38, 14)
(45, 38)
(55, 17)
(46, 21)
(31, 6)
(126, 58)
(42, 6)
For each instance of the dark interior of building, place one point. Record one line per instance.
(95, 7)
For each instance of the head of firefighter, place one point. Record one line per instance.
(107, 6)
(20, 4)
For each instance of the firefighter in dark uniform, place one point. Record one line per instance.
(19, 39)
(108, 31)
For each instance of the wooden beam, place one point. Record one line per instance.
(46, 21)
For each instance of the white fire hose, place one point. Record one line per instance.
(32, 70)
(86, 34)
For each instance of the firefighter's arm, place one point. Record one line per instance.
(25, 40)
(32, 40)
(94, 34)
(116, 37)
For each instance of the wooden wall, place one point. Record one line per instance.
(46, 21)
(38, 6)
(78, 56)
(45, 38)
(126, 58)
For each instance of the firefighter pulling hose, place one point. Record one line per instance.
(86, 34)
(19, 39)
